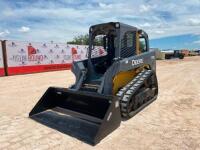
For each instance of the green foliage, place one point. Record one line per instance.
(142, 45)
(84, 40)
(98, 41)
(80, 40)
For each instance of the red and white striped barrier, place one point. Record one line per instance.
(2, 73)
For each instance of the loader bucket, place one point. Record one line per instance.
(84, 115)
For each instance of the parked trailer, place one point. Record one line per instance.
(193, 53)
(173, 54)
(198, 52)
(185, 52)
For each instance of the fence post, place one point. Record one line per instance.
(5, 57)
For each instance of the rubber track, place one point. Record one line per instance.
(126, 93)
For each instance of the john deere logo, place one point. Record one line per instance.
(137, 62)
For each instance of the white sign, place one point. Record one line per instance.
(31, 54)
(80, 52)
(29, 57)
(98, 51)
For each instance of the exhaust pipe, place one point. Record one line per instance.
(84, 115)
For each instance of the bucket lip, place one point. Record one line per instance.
(83, 93)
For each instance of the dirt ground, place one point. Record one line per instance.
(171, 122)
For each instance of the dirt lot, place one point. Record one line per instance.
(171, 122)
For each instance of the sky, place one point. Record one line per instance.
(169, 23)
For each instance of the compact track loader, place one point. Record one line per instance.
(108, 89)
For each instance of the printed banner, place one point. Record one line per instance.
(25, 57)
(2, 73)
(80, 52)
(31, 57)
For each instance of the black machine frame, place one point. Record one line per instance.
(85, 106)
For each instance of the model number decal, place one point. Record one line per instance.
(137, 62)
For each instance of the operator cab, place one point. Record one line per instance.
(118, 40)
(105, 36)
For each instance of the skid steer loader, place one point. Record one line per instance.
(107, 89)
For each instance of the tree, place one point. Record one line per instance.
(80, 40)
(84, 40)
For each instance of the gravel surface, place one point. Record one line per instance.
(171, 122)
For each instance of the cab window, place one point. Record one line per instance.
(142, 46)
(128, 46)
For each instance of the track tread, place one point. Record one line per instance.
(126, 93)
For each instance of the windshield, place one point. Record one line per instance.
(98, 46)
(103, 45)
